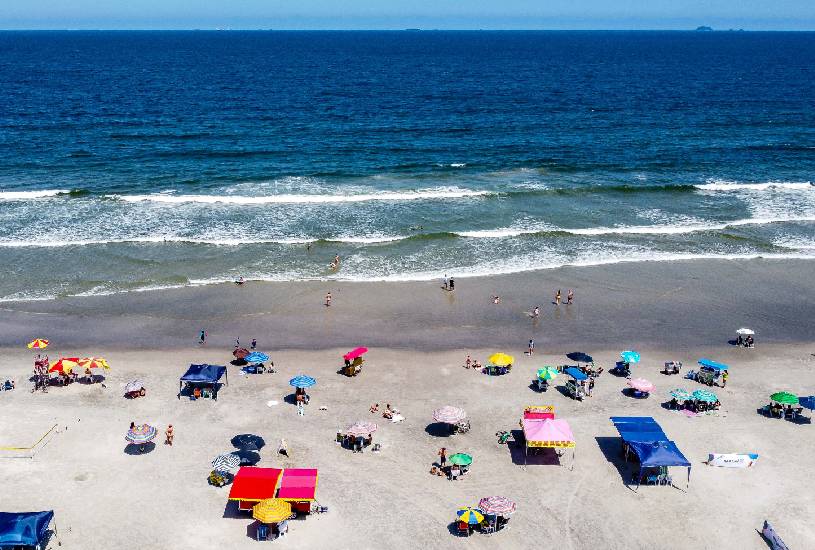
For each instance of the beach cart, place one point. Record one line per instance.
(353, 362)
(576, 384)
(672, 367)
(710, 372)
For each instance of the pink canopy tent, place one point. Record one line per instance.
(298, 485)
(548, 433)
(354, 353)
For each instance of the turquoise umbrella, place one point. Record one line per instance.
(256, 357)
(630, 357)
(679, 394)
(302, 381)
(704, 395)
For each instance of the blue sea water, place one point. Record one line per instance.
(137, 160)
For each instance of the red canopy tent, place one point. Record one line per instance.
(252, 484)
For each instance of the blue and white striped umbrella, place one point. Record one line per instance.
(226, 462)
(302, 381)
(256, 357)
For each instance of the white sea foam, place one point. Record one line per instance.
(28, 195)
(723, 185)
(421, 194)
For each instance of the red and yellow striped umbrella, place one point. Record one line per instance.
(93, 363)
(38, 343)
(65, 365)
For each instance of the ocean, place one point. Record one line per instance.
(141, 160)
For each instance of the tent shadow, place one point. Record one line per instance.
(611, 447)
(633, 394)
(291, 399)
(133, 449)
(563, 391)
(439, 429)
(231, 511)
(538, 457)
(764, 539)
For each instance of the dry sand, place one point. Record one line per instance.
(105, 498)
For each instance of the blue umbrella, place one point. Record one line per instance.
(256, 357)
(807, 402)
(302, 381)
(630, 357)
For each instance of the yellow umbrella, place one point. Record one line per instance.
(271, 510)
(93, 363)
(501, 359)
(38, 343)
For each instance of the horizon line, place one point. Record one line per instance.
(406, 29)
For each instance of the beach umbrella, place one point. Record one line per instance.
(250, 442)
(679, 394)
(500, 506)
(240, 353)
(785, 398)
(745, 332)
(354, 353)
(361, 428)
(630, 357)
(135, 385)
(139, 435)
(470, 516)
(501, 359)
(807, 402)
(580, 357)
(93, 363)
(547, 373)
(704, 395)
(256, 357)
(461, 459)
(225, 462)
(247, 457)
(65, 365)
(449, 415)
(38, 343)
(302, 381)
(271, 510)
(641, 384)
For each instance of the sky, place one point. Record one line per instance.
(401, 14)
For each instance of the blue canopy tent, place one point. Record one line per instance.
(712, 364)
(203, 374)
(807, 402)
(24, 528)
(638, 429)
(576, 373)
(653, 454)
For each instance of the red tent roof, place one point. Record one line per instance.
(354, 353)
(254, 484)
(298, 484)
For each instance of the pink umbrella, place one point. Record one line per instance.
(501, 506)
(354, 353)
(361, 428)
(641, 384)
(449, 415)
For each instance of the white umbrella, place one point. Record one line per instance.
(449, 415)
(135, 385)
(745, 332)
(361, 428)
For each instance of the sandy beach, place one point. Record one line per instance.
(418, 337)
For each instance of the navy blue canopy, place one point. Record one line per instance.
(659, 453)
(638, 429)
(203, 373)
(24, 529)
(576, 373)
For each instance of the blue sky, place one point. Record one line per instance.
(399, 14)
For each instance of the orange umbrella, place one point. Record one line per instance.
(38, 343)
(64, 365)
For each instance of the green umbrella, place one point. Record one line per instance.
(679, 394)
(704, 395)
(547, 373)
(461, 459)
(785, 398)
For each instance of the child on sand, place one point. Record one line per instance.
(328, 299)
(557, 297)
(570, 297)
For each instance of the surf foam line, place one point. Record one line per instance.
(28, 195)
(723, 185)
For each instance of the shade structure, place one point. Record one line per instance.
(361, 428)
(64, 365)
(580, 357)
(271, 510)
(630, 356)
(548, 432)
(226, 462)
(539, 411)
(250, 442)
(638, 428)
(254, 484)
(256, 357)
(576, 373)
(705, 396)
(302, 381)
(24, 528)
(547, 373)
(807, 402)
(139, 435)
(470, 516)
(712, 364)
(38, 343)
(461, 459)
(134, 386)
(659, 453)
(745, 332)
(93, 363)
(449, 415)
(680, 394)
(501, 359)
(354, 353)
(641, 384)
(500, 506)
(206, 374)
(298, 485)
(785, 398)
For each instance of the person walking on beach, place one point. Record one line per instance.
(446, 283)
(496, 299)
(328, 299)
(203, 337)
(531, 347)
(536, 312)
(557, 297)
(237, 342)
(254, 343)
(569, 297)
(169, 435)
(452, 285)
(468, 362)
(442, 457)
(724, 378)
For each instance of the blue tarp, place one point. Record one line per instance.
(576, 373)
(712, 364)
(203, 373)
(807, 402)
(659, 453)
(638, 429)
(24, 529)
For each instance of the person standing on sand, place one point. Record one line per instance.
(536, 312)
(442, 457)
(452, 285)
(724, 378)
(531, 347)
(557, 297)
(254, 343)
(569, 297)
(468, 362)
(328, 299)
(169, 435)
(496, 299)
(203, 337)
(446, 284)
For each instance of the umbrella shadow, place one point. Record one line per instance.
(291, 399)
(439, 429)
(238, 362)
(534, 387)
(136, 449)
(563, 391)
(634, 394)
(248, 458)
(453, 529)
(611, 447)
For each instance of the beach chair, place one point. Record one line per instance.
(462, 529)
(652, 479)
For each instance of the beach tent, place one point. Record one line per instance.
(252, 484)
(203, 374)
(539, 412)
(24, 528)
(638, 429)
(354, 353)
(576, 373)
(712, 364)
(659, 453)
(547, 433)
(299, 487)
(807, 402)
